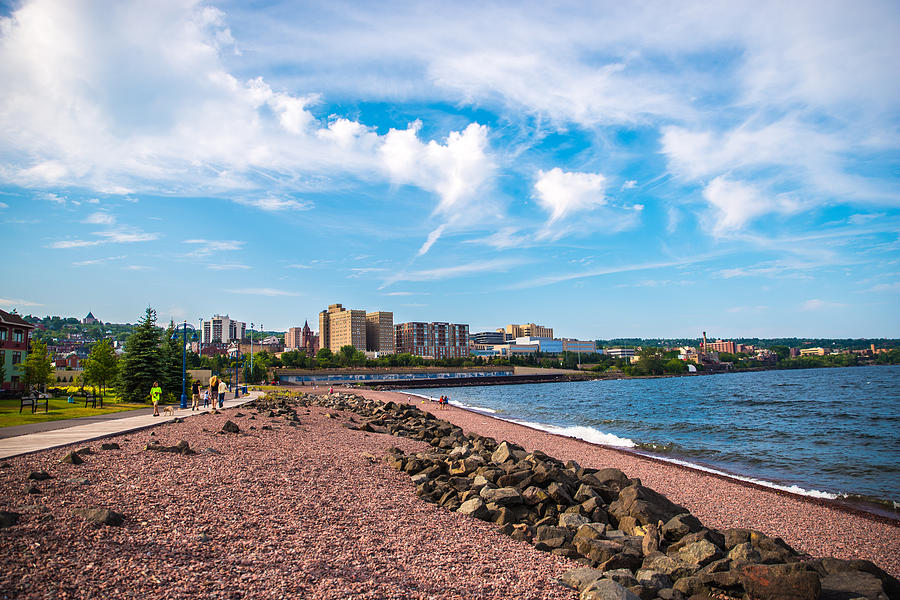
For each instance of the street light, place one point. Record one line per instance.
(183, 360)
(237, 364)
(251, 350)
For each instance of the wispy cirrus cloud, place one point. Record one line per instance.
(228, 267)
(16, 302)
(463, 270)
(272, 292)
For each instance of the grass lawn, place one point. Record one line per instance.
(60, 409)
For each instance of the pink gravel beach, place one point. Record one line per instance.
(314, 512)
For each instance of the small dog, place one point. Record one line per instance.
(168, 410)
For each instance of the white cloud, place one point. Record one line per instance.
(4, 205)
(561, 193)
(228, 267)
(75, 243)
(100, 218)
(127, 235)
(629, 185)
(885, 287)
(817, 304)
(432, 238)
(96, 261)
(272, 204)
(441, 273)
(16, 302)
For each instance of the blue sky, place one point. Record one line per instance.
(616, 169)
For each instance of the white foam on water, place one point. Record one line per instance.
(588, 434)
(473, 408)
(793, 489)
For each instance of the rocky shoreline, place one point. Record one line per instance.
(635, 542)
(325, 497)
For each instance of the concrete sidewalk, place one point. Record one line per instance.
(41, 440)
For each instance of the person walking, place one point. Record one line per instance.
(213, 391)
(155, 394)
(222, 389)
(195, 395)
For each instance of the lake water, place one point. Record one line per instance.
(832, 433)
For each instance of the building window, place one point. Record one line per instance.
(3, 334)
(17, 335)
(2, 357)
(17, 358)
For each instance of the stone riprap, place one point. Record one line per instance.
(636, 541)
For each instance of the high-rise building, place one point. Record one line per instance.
(292, 338)
(488, 337)
(340, 327)
(222, 330)
(527, 330)
(434, 340)
(380, 332)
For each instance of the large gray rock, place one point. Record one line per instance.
(645, 505)
(598, 551)
(506, 451)
(534, 495)
(72, 458)
(474, 507)
(39, 475)
(581, 577)
(506, 496)
(852, 584)
(572, 520)
(605, 589)
(656, 580)
(699, 553)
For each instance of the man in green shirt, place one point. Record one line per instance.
(155, 393)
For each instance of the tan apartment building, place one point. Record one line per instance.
(380, 332)
(339, 326)
(527, 330)
(292, 338)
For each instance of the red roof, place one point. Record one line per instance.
(13, 319)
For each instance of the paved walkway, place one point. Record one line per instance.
(98, 427)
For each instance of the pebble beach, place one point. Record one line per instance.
(313, 511)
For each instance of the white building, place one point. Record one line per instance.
(221, 329)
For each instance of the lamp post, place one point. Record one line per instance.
(251, 350)
(183, 360)
(237, 365)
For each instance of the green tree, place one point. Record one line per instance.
(171, 353)
(142, 363)
(324, 358)
(37, 366)
(101, 365)
(782, 352)
(346, 354)
(675, 366)
(651, 360)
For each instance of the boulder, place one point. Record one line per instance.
(32, 489)
(645, 505)
(72, 458)
(736, 536)
(100, 516)
(585, 492)
(181, 447)
(559, 494)
(506, 451)
(690, 586)
(656, 580)
(650, 543)
(590, 531)
(547, 537)
(681, 525)
(84, 451)
(699, 553)
(622, 560)
(39, 475)
(230, 427)
(474, 507)
(623, 577)
(109, 446)
(502, 496)
(581, 577)
(745, 552)
(670, 566)
(8, 518)
(572, 520)
(606, 589)
(780, 582)
(598, 551)
(534, 495)
(852, 584)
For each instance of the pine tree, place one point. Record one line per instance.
(142, 363)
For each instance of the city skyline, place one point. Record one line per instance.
(643, 171)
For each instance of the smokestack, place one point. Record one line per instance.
(704, 341)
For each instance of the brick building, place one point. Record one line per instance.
(14, 345)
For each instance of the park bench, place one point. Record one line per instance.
(92, 398)
(34, 400)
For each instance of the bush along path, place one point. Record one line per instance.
(631, 541)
